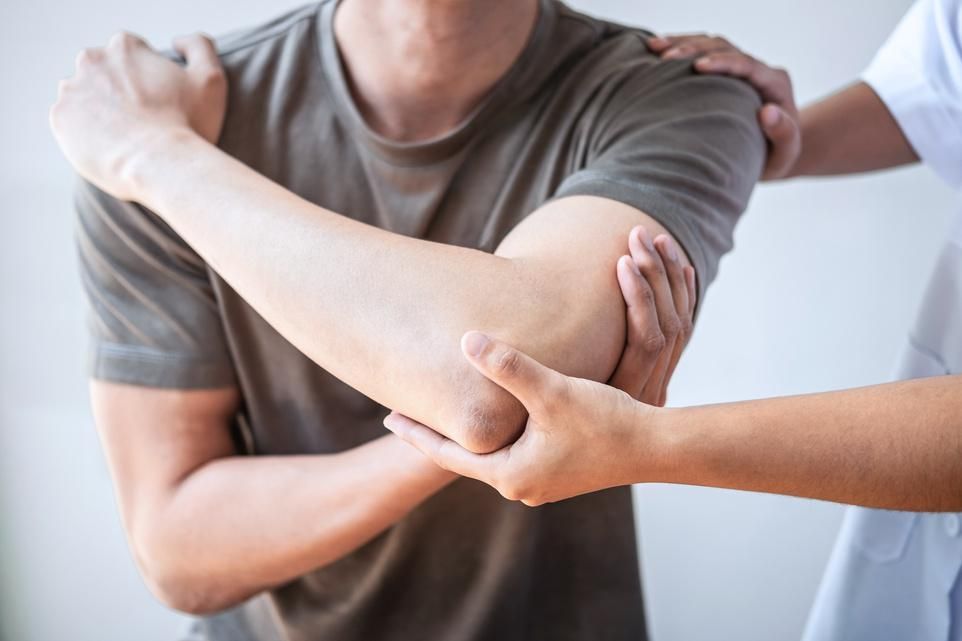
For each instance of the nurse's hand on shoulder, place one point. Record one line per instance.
(779, 118)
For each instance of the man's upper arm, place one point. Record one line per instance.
(683, 148)
(163, 392)
(670, 150)
(152, 315)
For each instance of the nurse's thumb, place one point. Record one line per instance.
(520, 375)
(784, 141)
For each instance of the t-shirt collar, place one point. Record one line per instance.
(516, 85)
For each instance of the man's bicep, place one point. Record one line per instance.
(683, 147)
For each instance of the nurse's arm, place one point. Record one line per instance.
(849, 132)
(895, 446)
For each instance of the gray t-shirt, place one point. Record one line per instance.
(585, 110)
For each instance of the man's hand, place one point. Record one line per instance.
(125, 97)
(660, 295)
(779, 117)
(581, 436)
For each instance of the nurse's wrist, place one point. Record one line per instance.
(653, 445)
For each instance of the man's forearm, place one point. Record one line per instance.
(384, 312)
(239, 525)
(896, 446)
(851, 132)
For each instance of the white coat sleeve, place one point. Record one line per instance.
(918, 75)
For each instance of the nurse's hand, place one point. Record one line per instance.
(660, 296)
(778, 117)
(581, 436)
(126, 97)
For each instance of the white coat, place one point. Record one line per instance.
(895, 576)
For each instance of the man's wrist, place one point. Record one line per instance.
(150, 158)
(417, 468)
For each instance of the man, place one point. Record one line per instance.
(519, 127)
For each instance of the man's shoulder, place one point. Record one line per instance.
(603, 41)
(274, 81)
(261, 60)
(237, 48)
(617, 61)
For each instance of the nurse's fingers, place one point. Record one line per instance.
(644, 342)
(445, 453)
(772, 83)
(681, 291)
(657, 273)
(689, 46)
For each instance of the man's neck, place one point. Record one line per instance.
(418, 67)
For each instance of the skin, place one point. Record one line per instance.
(895, 446)
(582, 436)
(139, 127)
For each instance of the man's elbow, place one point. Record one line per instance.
(488, 419)
(166, 574)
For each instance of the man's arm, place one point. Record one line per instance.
(384, 312)
(209, 528)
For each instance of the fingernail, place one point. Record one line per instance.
(704, 63)
(670, 248)
(771, 116)
(657, 41)
(474, 343)
(645, 239)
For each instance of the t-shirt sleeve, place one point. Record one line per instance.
(153, 316)
(918, 75)
(684, 148)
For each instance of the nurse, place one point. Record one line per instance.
(893, 575)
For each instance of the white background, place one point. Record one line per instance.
(818, 295)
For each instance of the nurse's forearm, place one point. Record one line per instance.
(896, 446)
(851, 132)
